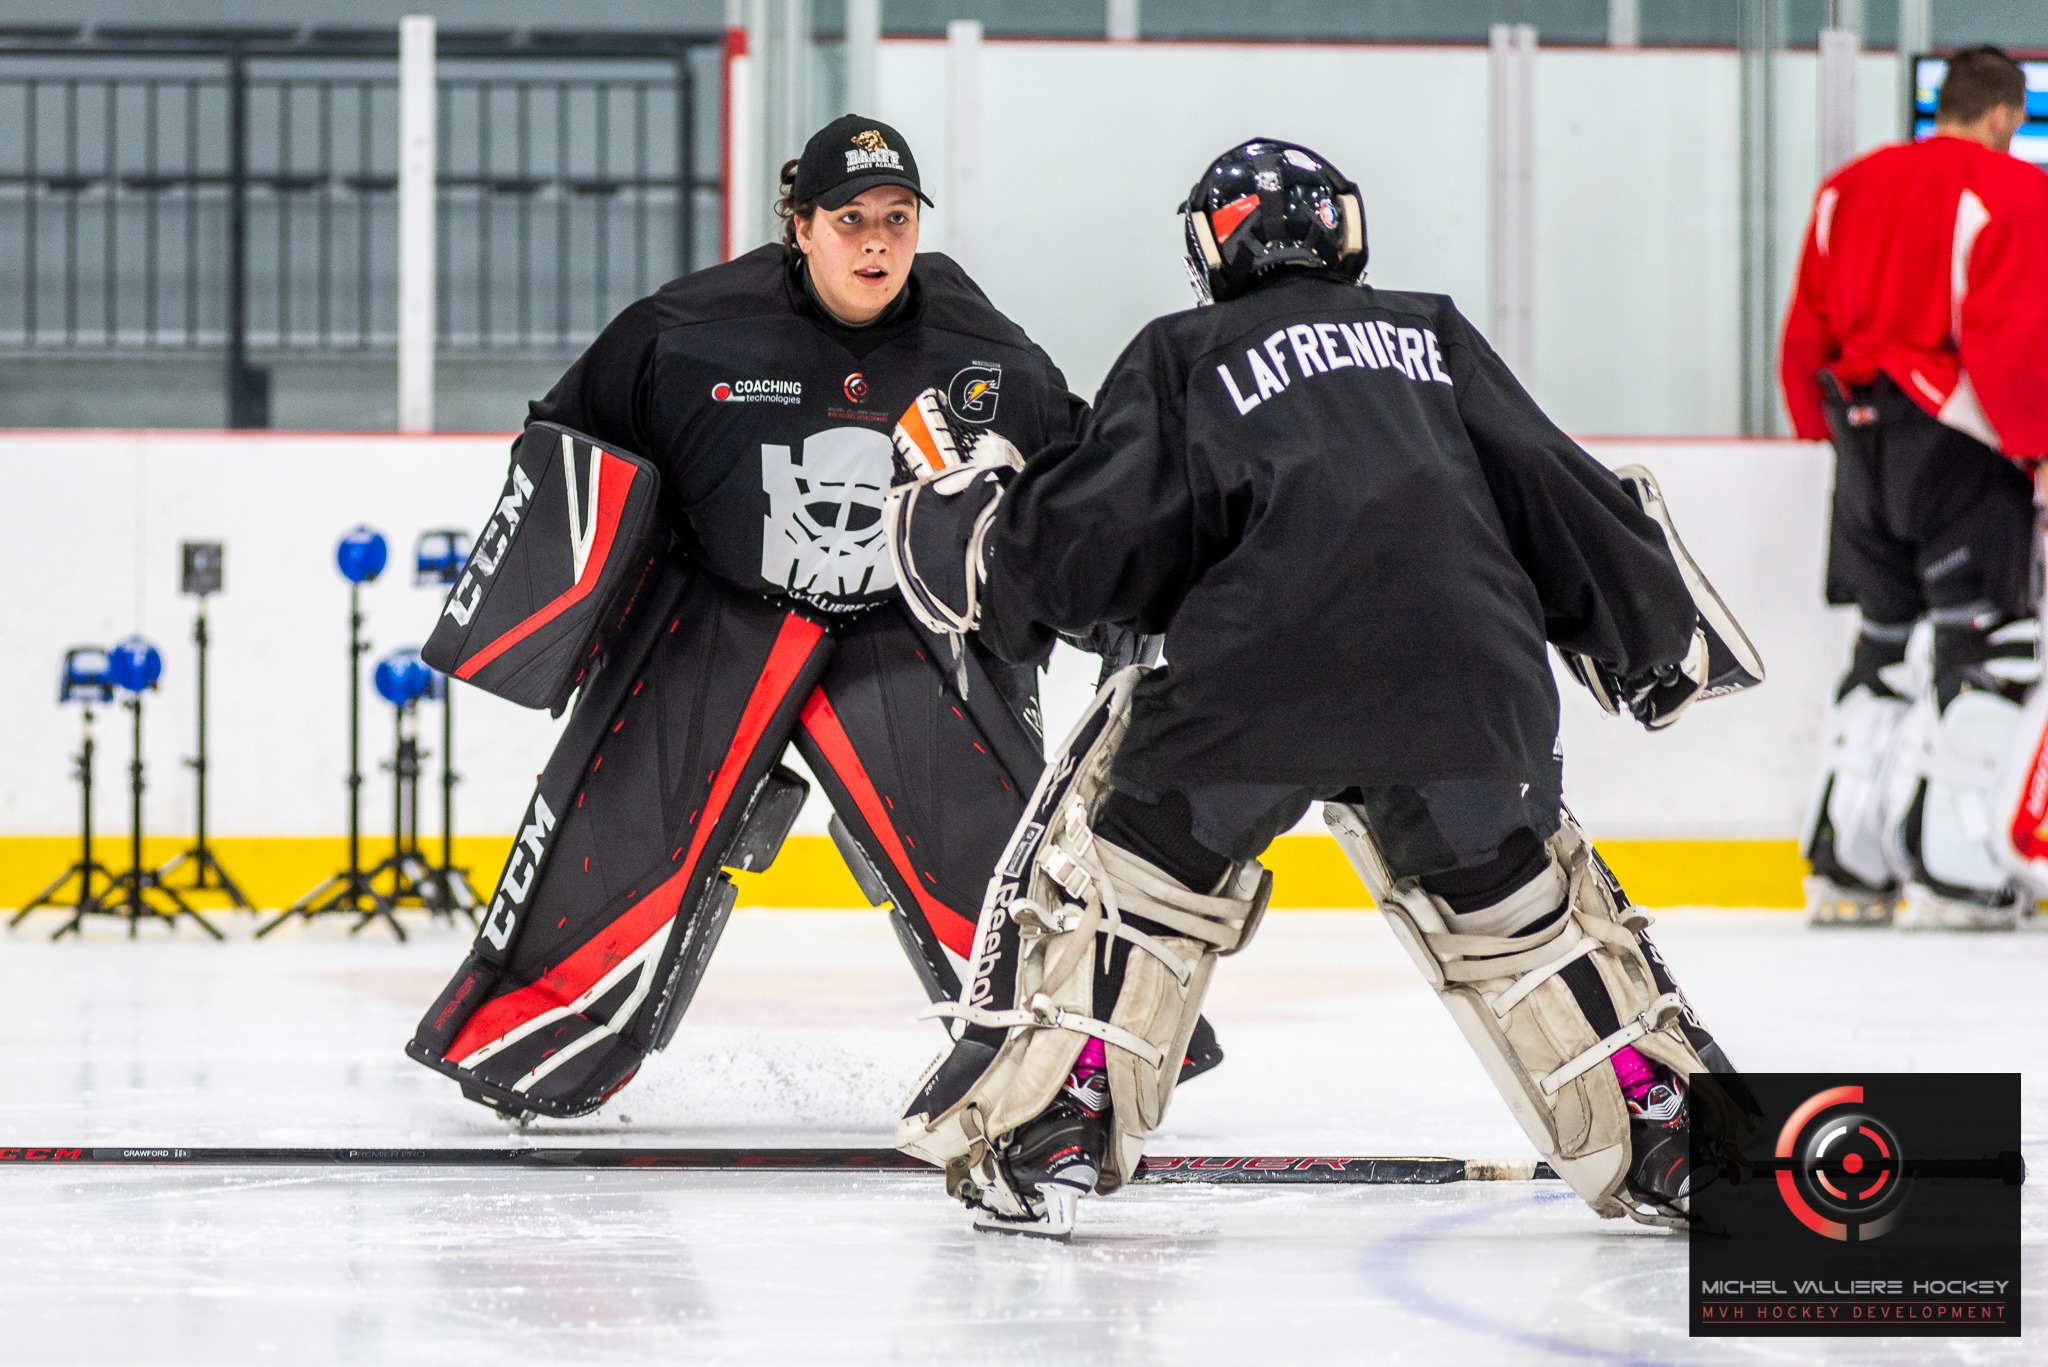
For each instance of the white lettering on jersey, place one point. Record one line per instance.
(823, 533)
(1321, 348)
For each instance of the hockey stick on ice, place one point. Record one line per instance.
(1224, 1169)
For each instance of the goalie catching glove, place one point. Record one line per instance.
(1720, 659)
(936, 523)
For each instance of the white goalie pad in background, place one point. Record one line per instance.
(1859, 749)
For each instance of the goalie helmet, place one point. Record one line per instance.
(1267, 205)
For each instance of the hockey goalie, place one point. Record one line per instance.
(1358, 533)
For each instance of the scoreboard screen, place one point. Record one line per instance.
(2029, 144)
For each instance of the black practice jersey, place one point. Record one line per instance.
(1357, 532)
(770, 422)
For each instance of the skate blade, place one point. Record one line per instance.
(1926, 910)
(1056, 1221)
(1733, 664)
(1042, 1228)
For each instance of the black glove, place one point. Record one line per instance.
(1654, 697)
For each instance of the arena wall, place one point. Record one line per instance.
(1705, 812)
(1085, 149)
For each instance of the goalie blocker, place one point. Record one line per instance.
(553, 574)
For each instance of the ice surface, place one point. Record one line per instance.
(802, 1034)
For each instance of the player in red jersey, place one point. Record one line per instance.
(1918, 341)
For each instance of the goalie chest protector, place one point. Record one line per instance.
(558, 560)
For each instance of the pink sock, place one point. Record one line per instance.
(1635, 1073)
(1091, 1062)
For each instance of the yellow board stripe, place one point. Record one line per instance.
(1308, 870)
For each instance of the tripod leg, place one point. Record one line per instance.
(307, 906)
(42, 898)
(184, 908)
(227, 884)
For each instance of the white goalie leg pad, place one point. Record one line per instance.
(1531, 1034)
(1948, 783)
(1079, 892)
(1860, 748)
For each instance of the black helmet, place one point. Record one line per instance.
(1265, 205)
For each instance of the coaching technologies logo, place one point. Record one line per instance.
(758, 391)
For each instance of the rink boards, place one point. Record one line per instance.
(1705, 814)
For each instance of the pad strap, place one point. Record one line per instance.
(1655, 1016)
(1044, 1014)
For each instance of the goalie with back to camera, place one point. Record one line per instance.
(1359, 532)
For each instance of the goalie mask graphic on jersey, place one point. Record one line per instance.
(823, 533)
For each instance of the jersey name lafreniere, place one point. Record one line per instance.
(1304, 350)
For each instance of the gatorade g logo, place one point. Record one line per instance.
(1843, 1177)
(974, 391)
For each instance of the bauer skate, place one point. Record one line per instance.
(1660, 1173)
(1050, 1163)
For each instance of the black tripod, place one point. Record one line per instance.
(405, 865)
(349, 890)
(207, 873)
(447, 889)
(86, 866)
(129, 893)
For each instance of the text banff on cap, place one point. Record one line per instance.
(850, 156)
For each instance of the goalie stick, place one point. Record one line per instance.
(2008, 1168)
(1219, 1169)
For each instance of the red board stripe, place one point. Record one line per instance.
(582, 970)
(955, 931)
(614, 478)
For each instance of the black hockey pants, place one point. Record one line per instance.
(615, 894)
(1470, 842)
(1926, 522)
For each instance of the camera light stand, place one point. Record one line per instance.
(350, 890)
(86, 866)
(207, 873)
(129, 893)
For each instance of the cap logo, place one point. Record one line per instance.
(870, 140)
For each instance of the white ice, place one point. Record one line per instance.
(802, 1034)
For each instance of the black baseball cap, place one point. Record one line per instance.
(850, 156)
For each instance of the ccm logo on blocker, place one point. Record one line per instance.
(1319, 348)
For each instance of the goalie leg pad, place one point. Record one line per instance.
(1048, 936)
(1846, 827)
(1547, 984)
(614, 894)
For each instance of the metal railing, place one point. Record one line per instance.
(238, 190)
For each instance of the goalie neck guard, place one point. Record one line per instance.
(554, 570)
(1266, 205)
